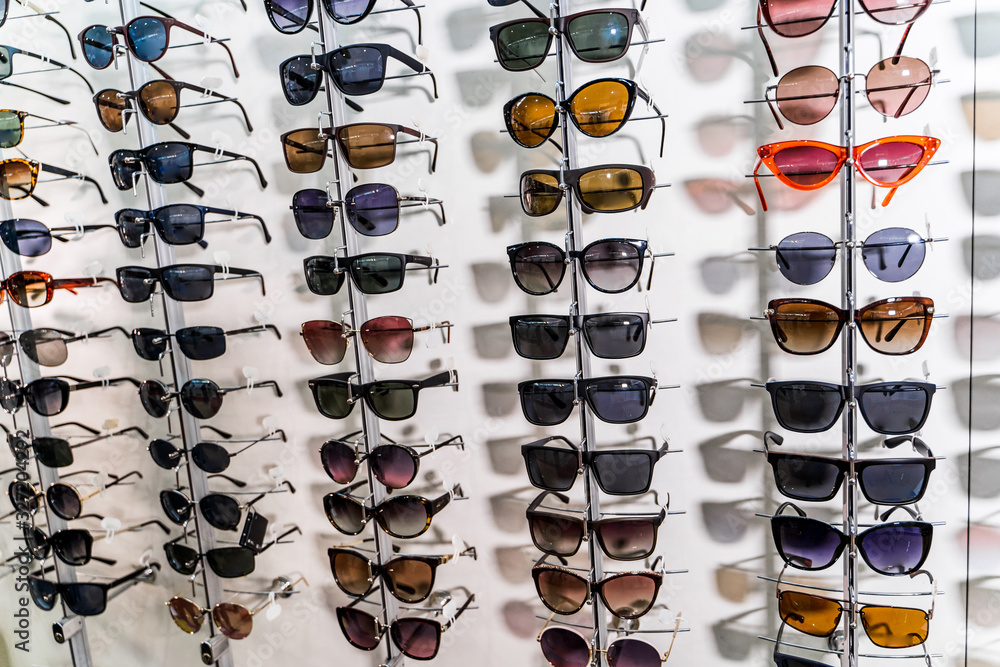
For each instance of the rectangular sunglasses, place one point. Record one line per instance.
(372, 272)
(18, 178)
(199, 343)
(373, 209)
(181, 282)
(392, 400)
(175, 224)
(363, 145)
(168, 162)
(83, 599)
(606, 188)
(616, 399)
(12, 127)
(292, 16)
(608, 335)
(31, 238)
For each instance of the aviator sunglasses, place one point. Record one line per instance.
(408, 578)
(388, 339)
(233, 620)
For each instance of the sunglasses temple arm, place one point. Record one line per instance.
(263, 327)
(100, 333)
(774, 112)
(92, 431)
(423, 201)
(205, 92)
(237, 156)
(71, 174)
(195, 31)
(240, 451)
(146, 570)
(117, 481)
(232, 480)
(57, 100)
(902, 42)
(756, 182)
(246, 273)
(888, 197)
(469, 600)
(767, 47)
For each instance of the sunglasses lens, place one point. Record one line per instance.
(64, 501)
(806, 258)
(201, 343)
(896, 326)
(562, 592)
(288, 16)
(125, 164)
(299, 81)
(132, 283)
(618, 400)
(10, 129)
(893, 254)
(394, 466)
(894, 483)
(564, 648)
(188, 282)
(147, 38)
(305, 151)
(790, 18)
(46, 347)
(373, 210)
(416, 638)
(339, 461)
(532, 120)
(890, 12)
(175, 506)
(808, 166)
(28, 238)
(378, 274)
(540, 193)
(233, 620)
(357, 70)
(186, 614)
(345, 513)
(897, 548)
(804, 327)
(615, 336)
(325, 341)
(85, 599)
(158, 102)
(810, 614)
(629, 596)
(612, 190)
(47, 396)
(23, 497)
(164, 454)
(895, 627)
(53, 452)
(556, 535)
(29, 289)
(73, 546)
(201, 398)
(323, 276)
(393, 400)
(806, 407)
(552, 468)
(43, 592)
(627, 539)
(895, 409)
(388, 339)
(612, 266)
(351, 572)
(410, 579)
(36, 541)
(231, 562)
(404, 517)
(889, 163)
(360, 628)
(367, 146)
(98, 47)
(181, 224)
(210, 457)
(546, 403)
(599, 109)
(313, 217)
(623, 473)
(807, 95)
(170, 162)
(523, 46)
(153, 396)
(540, 336)
(16, 181)
(806, 544)
(11, 397)
(599, 37)
(332, 399)
(897, 86)
(538, 267)
(628, 652)
(805, 478)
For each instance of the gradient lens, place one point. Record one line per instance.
(417, 638)
(538, 268)
(556, 535)
(896, 548)
(627, 539)
(64, 501)
(394, 466)
(339, 461)
(611, 266)
(409, 579)
(628, 652)
(562, 592)
(807, 95)
(346, 514)
(804, 327)
(17, 180)
(351, 571)
(388, 339)
(288, 16)
(808, 166)
(359, 627)
(563, 647)
(889, 163)
(806, 544)
(794, 18)
(896, 326)
(629, 595)
(373, 210)
(404, 517)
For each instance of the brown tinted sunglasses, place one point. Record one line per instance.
(363, 145)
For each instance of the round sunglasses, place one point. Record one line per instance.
(394, 465)
(611, 266)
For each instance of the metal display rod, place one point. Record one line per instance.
(173, 312)
(371, 434)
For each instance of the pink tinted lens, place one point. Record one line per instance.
(339, 461)
(795, 18)
(897, 86)
(628, 652)
(394, 466)
(890, 163)
(417, 638)
(325, 341)
(806, 165)
(388, 339)
(359, 627)
(807, 95)
(564, 648)
(892, 12)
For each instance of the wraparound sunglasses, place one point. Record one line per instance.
(394, 465)
(372, 272)
(403, 517)
(606, 188)
(175, 224)
(181, 282)
(292, 16)
(363, 145)
(392, 400)
(408, 578)
(168, 162)
(201, 398)
(609, 335)
(18, 178)
(611, 266)
(616, 399)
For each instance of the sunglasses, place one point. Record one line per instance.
(894, 326)
(159, 101)
(207, 456)
(218, 509)
(31, 238)
(201, 398)
(372, 272)
(401, 517)
(73, 546)
(890, 408)
(233, 620)
(225, 562)
(363, 145)
(809, 165)
(624, 537)
(63, 499)
(373, 209)
(48, 396)
(607, 188)
(55, 452)
(32, 289)
(167, 162)
(626, 595)
(892, 549)
(618, 472)
(392, 400)
(566, 647)
(595, 36)
(611, 266)
(7, 54)
(146, 37)
(198, 343)
(18, 178)
(292, 16)
(882, 481)
(608, 335)
(408, 578)
(892, 255)
(26, 500)
(388, 339)
(895, 87)
(598, 109)
(416, 638)
(358, 69)
(616, 399)
(12, 127)
(175, 224)
(83, 599)
(181, 282)
(395, 466)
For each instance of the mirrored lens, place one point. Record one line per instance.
(46, 347)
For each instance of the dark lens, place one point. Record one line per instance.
(181, 224)
(540, 336)
(132, 283)
(346, 514)
(72, 546)
(628, 539)
(288, 16)
(47, 396)
(98, 46)
(393, 400)
(6, 349)
(373, 210)
(599, 37)
(45, 347)
(210, 457)
(299, 81)
(394, 466)
(164, 454)
(28, 238)
(313, 217)
(347, 11)
(615, 335)
(893, 254)
(623, 473)
(150, 344)
(201, 398)
(618, 400)
(220, 511)
(52, 452)
(11, 398)
(612, 266)
(897, 548)
(148, 38)
(351, 572)
(36, 542)
(538, 267)
(563, 647)
(894, 483)
(64, 501)
(153, 396)
(188, 282)
(125, 164)
(551, 468)
(417, 638)
(85, 599)
(546, 402)
(523, 45)
(404, 517)
(331, 398)
(360, 628)
(170, 162)
(560, 591)
(806, 544)
(10, 125)
(175, 505)
(807, 407)
(159, 102)
(233, 620)
(43, 592)
(231, 562)
(628, 652)
(556, 535)
(894, 409)
(377, 273)
(23, 497)
(339, 461)
(201, 343)
(805, 258)
(321, 275)
(357, 70)
(805, 477)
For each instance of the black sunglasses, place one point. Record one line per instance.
(611, 266)
(48, 396)
(606, 188)
(373, 209)
(31, 238)
(198, 343)
(372, 273)
(890, 408)
(210, 457)
(403, 517)
(72, 546)
(201, 398)
(358, 69)
(616, 399)
(176, 224)
(181, 282)
(292, 16)
(609, 335)
(226, 562)
(62, 498)
(394, 465)
(220, 510)
(619, 472)
(83, 599)
(56, 452)
(46, 347)
(167, 162)
(882, 481)
(392, 400)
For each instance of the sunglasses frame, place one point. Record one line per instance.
(597, 586)
(578, 324)
(335, 134)
(63, 485)
(51, 285)
(311, 265)
(212, 554)
(375, 570)
(432, 507)
(650, 387)
(357, 392)
(155, 275)
(186, 400)
(641, 247)
(569, 179)
(359, 457)
(347, 333)
(34, 167)
(126, 158)
(183, 348)
(346, 203)
(60, 589)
